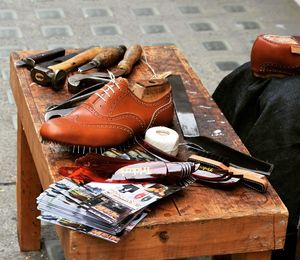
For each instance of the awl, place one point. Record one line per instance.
(105, 59)
(124, 67)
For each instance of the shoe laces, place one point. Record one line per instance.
(108, 87)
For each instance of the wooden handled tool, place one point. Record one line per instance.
(55, 75)
(251, 179)
(106, 58)
(78, 60)
(132, 55)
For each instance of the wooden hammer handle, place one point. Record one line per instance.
(77, 60)
(132, 55)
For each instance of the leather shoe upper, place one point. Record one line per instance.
(274, 55)
(109, 117)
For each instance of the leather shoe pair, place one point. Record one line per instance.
(276, 56)
(113, 115)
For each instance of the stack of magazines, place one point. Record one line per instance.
(104, 210)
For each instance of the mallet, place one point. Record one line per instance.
(55, 75)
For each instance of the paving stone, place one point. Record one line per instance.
(198, 27)
(54, 250)
(154, 28)
(105, 29)
(41, 1)
(163, 43)
(5, 51)
(234, 8)
(7, 15)
(10, 97)
(63, 45)
(14, 120)
(49, 13)
(147, 11)
(10, 32)
(63, 30)
(189, 9)
(96, 12)
(215, 46)
(5, 73)
(227, 65)
(248, 25)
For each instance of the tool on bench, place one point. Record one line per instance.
(34, 59)
(61, 59)
(78, 82)
(69, 104)
(105, 59)
(124, 67)
(244, 164)
(55, 75)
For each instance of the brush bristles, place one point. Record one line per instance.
(202, 152)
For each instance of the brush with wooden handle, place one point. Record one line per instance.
(250, 179)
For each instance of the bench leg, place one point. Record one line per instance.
(264, 255)
(28, 187)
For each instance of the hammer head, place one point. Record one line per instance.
(47, 77)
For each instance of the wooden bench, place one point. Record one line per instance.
(197, 221)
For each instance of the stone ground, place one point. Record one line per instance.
(215, 35)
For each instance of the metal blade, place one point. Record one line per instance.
(183, 108)
(88, 66)
(20, 63)
(57, 113)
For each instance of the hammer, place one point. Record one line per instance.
(55, 75)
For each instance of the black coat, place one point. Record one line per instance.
(265, 113)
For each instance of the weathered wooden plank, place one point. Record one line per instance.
(265, 255)
(28, 187)
(177, 240)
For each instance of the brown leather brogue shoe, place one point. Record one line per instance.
(113, 115)
(276, 56)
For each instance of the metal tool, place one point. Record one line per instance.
(57, 113)
(55, 75)
(31, 60)
(234, 157)
(79, 82)
(105, 59)
(192, 135)
(61, 59)
(183, 109)
(68, 105)
(124, 67)
(131, 56)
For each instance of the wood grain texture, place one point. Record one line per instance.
(77, 60)
(28, 187)
(196, 221)
(253, 256)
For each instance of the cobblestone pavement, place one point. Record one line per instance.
(215, 35)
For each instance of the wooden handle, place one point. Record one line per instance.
(109, 56)
(132, 55)
(77, 60)
(248, 175)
